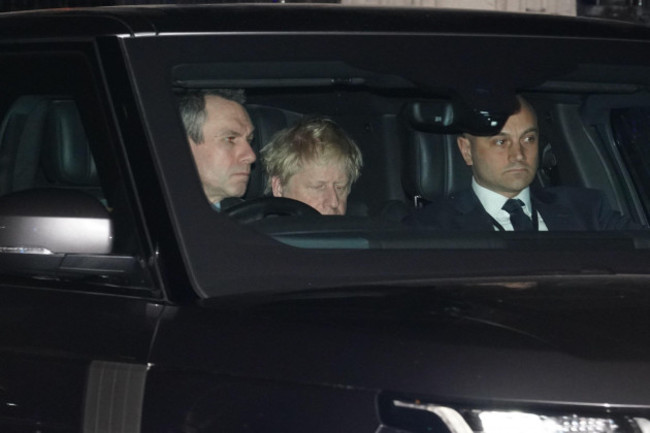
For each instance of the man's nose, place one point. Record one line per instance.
(332, 199)
(247, 154)
(516, 152)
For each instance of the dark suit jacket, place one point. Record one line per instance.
(562, 208)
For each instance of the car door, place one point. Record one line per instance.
(75, 324)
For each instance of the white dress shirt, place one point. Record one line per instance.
(493, 202)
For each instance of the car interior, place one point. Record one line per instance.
(411, 158)
(406, 164)
(407, 134)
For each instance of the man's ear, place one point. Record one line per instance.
(276, 186)
(465, 147)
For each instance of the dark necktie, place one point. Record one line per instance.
(520, 221)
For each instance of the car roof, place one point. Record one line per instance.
(168, 19)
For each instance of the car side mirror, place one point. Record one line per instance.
(55, 234)
(54, 221)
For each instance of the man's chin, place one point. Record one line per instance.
(331, 212)
(238, 190)
(519, 180)
(516, 188)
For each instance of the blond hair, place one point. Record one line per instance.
(311, 139)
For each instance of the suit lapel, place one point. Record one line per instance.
(471, 214)
(556, 216)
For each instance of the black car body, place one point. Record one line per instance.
(129, 304)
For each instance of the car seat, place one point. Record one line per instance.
(267, 121)
(20, 143)
(43, 144)
(432, 167)
(66, 158)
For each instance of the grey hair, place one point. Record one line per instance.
(192, 108)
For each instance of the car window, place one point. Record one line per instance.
(405, 110)
(63, 204)
(631, 128)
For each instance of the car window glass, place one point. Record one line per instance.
(66, 214)
(394, 107)
(631, 128)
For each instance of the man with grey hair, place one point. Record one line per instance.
(315, 162)
(219, 131)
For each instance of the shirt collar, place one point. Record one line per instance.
(493, 202)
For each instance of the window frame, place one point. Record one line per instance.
(71, 69)
(226, 258)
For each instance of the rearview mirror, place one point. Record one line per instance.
(450, 117)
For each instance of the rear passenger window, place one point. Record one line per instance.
(62, 197)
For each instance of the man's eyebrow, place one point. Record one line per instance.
(232, 132)
(508, 134)
(228, 132)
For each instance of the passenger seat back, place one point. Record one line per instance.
(267, 121)
(433, 167)
(43, 144)
(66, 157)
(20, 143)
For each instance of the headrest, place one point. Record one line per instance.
(433, 166)
(66, 155)
(20, 139)
(267, 121)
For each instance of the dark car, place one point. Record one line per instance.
(129, 304)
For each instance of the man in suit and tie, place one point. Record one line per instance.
(500, 197)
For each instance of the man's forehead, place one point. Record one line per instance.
(518, 131)
(232, 115)
(524, 121)
(223, 105)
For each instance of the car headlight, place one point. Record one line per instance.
(515, 422)
(472, 420)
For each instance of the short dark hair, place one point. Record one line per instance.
(192, 108)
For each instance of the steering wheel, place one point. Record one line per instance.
(259, 208)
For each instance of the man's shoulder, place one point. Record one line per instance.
(566, 193)
(462, 201)
(590, 207)
(445, 212)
